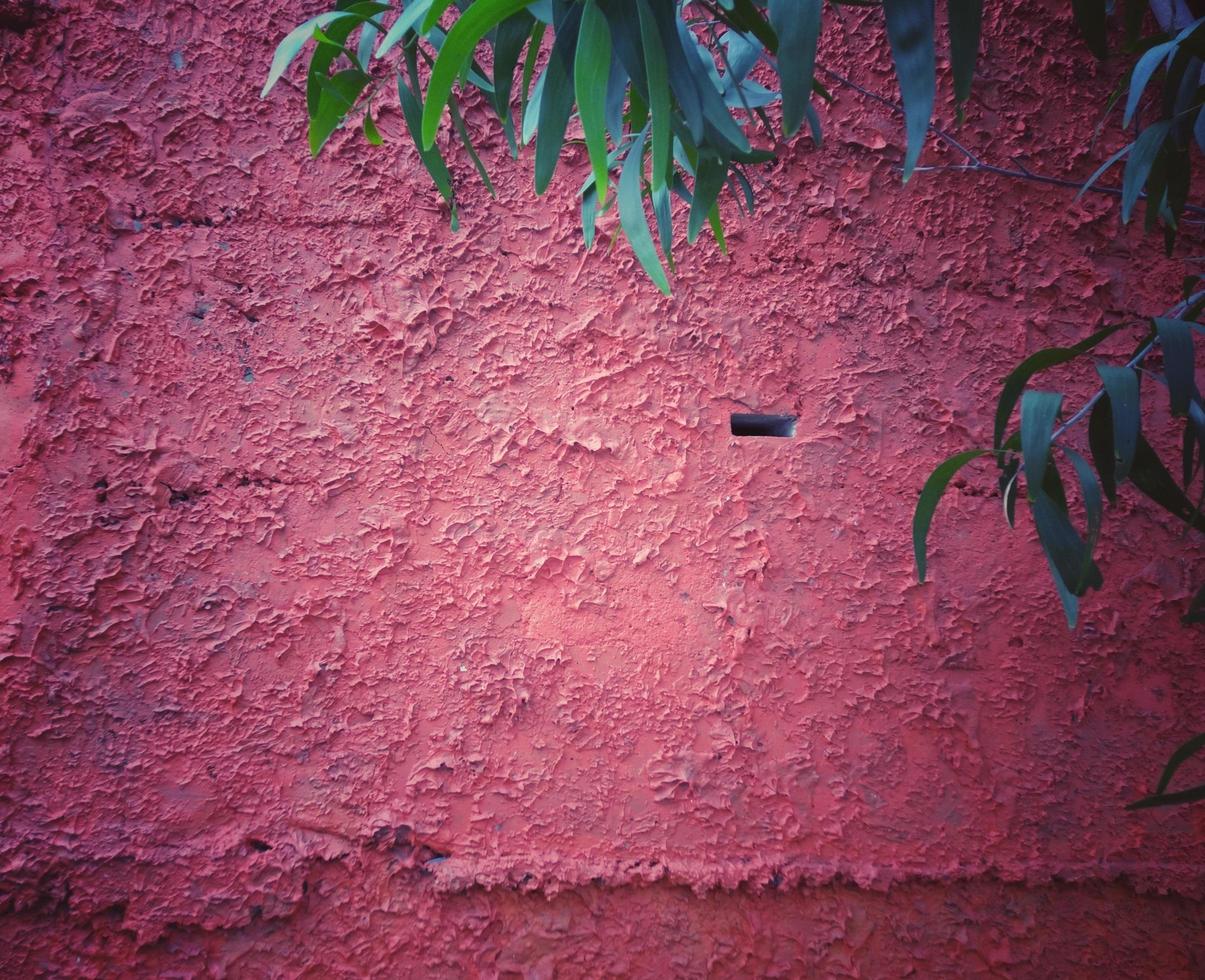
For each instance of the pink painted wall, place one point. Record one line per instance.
(389, 600)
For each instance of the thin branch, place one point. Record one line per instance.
(1175, 313)
(975, 165)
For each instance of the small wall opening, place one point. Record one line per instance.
(775, 426)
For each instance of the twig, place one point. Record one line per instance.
(1175, 313)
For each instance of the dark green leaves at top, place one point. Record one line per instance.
(910, 31)
(457, 50)
(591, 69)
(1161, 797)
(966, 17)
(930, 496)
(797, 24)
(1049, 357)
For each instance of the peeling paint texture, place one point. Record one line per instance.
(383, 600)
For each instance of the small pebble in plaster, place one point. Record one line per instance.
(248, 376)
(178, 60)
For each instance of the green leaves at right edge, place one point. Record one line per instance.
(591, 69)
(910, 31)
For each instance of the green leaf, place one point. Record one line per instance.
(529, 67)
(709, 181)
(1049, 357)
(1099, 172)
(1146, 66)
(910, 31)
(339, 94)
(717, 228)
(930, 496)
(1121, 385)
(1193, 795)
(1039, 409)
(556, 97)
(1160, 797)
(1151, 477)
(1008, 489)
(296, 39)
(1175, 337)
(1090, 15)
(463, 132)
(509, 39)
(1196, 608)
(965, 17)
(631, 214)
(591, 70)
(1100, 440)
(432, 160)
(434, 13)
(406, 21)
(370, 131)
(1138, 166)
(1140, 75)
(657, 76)
(590, 211)
(457, 50)
(797, 24)
(1093, 507)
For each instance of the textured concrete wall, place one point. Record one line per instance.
(384, 599)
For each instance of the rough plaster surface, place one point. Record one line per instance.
(389, 600)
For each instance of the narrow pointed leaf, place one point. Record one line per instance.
(1175, 337)
(910, 31)
(1090, 16)
(456, 51)
(632, 218)
(296, 39)
(1121, 384)
(339, 94)
(556, 99)
(1049, 357)
(1151, 477)
(406, 21)
(591, 70)
(965, 17)
(709, 181)
(930, 496)
(657, 76)
(1039, 409)
(1138, 166)
(797, 24)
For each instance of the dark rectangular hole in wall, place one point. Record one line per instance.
(778, 426)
